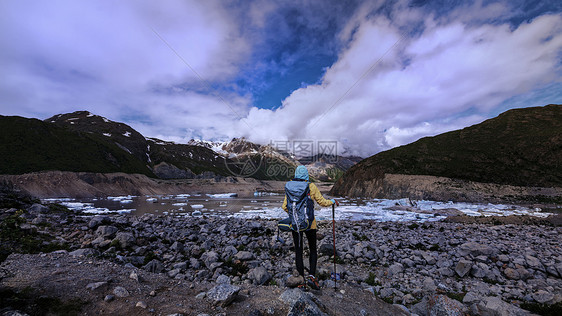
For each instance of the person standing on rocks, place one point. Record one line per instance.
(300, 195)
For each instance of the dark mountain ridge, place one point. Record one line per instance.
(521, 147)
(84, 142)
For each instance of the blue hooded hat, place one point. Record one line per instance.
(301, 173)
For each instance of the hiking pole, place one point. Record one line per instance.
(334, 238)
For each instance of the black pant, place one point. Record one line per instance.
(298, 242)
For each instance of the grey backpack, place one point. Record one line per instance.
(299, 205)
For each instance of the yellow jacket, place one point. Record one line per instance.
(315, 195)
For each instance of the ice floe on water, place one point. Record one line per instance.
(223, 195)
(231, 205)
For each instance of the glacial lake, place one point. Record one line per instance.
(268, 205)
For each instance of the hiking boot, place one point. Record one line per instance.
(303, 287)
(312, 282)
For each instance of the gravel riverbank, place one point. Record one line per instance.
(195, 265)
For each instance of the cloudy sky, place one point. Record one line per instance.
(371, 75)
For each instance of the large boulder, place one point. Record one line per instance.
(463, 267)
(222, 294)
(106, 231)
(493, 305)
(445, 306)
(259, 275)
(475, 249)
(125, 239)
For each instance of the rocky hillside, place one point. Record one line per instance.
(521, 147)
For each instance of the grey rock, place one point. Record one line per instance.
(180, 265)
(177, 247)
(173, 273)
(141, 304)
(120, 291)
(534, 263)
(222, 294)
(194, 263)
(542, 296)
(420, 308)
(305, 308)
(386, 292)
(259, 275)
(463, 267)
(229, 251)
(475, 249)
(294, 281)
(154, 266)
(106, 231)
(125, 239)
(428, 258)
(223, 279)
(85, 252)
(13, 313)
(395, 269)
(479, 270)
(244, 256)
(428, 285)
(38, 209)
(471, 298)
(511, 274)
(95, 285)
(209, 257)
(494, 306)
(98, 220)
(443, 305)
(109, 298)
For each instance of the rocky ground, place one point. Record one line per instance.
(161, 265)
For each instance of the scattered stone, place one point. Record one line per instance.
(134, 275)
(154, 266)
(259, 275)
(85, 252)
(463, 267)
(494, 305)
(294, 281)
(109, 298)
(395, 269)
(120, 291)
(95, 286)
(222, 294)
(443, 305)
(125, 239)
(223, 279)
(141, 304)
(106, 231)
(244, 256)
(511, 274)
(542, 296)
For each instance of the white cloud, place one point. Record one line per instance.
(422, 86)
(62, 56)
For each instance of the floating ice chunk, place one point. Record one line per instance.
(223, 195)
(181, 196)
(197, 206)
(98, 211)
(179, 204)
(152, 200)
(125, 201)
(196, 213)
